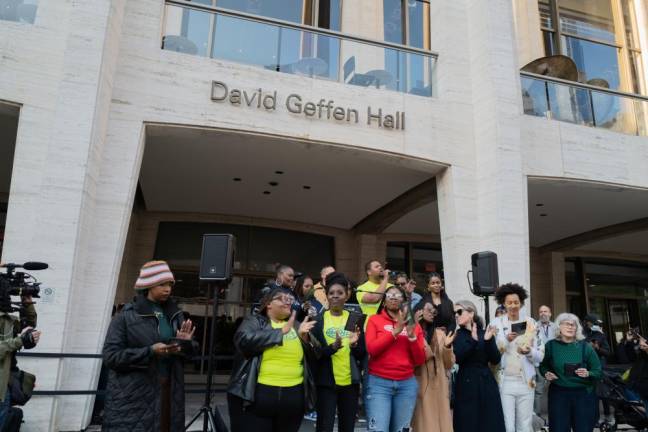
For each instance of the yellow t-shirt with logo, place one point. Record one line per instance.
(341, 360)
(282, 365)
(368, 309)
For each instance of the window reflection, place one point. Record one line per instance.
(590, 19)
(287, 10)
(19, 10)
(594, 61)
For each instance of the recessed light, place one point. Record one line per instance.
(273, 183)
(236, 179)
(279, 172)
(543, 214)
(266, 192)
(306, 187)
(539, 205)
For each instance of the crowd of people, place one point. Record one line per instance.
(406, 361)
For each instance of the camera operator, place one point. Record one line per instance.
(638, 378)
(15, 333)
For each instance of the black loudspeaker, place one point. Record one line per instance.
(217, 258)
(484, 272)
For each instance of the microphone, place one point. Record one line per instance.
(29, 265)
(35, 265)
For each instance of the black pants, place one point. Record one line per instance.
(345, 399)
(571, 409)
(275, 409)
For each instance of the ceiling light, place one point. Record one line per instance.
(236, 179)
(273, 183)
(543, 214)
(279, 172)
(306, 187)
(539, 205)
(266, 192)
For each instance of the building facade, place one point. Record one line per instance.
(318, 132)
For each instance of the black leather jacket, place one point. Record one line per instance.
(253, 336)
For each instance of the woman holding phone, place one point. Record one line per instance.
(432, 412)
(572, 367)
(477, 405)
(271, 384)
(521, 351)
(395, 344)
(337, 372)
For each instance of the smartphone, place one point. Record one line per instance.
(519, 328)
(185, 344)
(570, 368)
(355, 320)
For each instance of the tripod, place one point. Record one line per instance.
(211, 418)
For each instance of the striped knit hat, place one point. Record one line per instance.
(152, 274)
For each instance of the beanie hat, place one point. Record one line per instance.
(152, 274)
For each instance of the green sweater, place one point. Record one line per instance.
(558, 353)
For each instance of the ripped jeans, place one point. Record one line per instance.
(390, 404)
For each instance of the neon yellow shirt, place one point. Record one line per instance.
(368, 309)
(341, 360)
(282, 365)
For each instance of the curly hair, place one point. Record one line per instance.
(508, 289)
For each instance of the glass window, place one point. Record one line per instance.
(594, 61)
(287, 10)
(591, 19)
(397, 257)
(19, 10)
(330, 14)
(534, 97)
(258, 249)
(545, 14)
(186, 30)
(393, 21)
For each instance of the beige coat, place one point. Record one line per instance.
(432, 412)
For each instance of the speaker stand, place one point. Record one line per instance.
(486, 309)
(212, 420)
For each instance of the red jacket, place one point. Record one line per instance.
(392, 358)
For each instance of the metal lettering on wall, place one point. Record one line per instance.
(295, 104)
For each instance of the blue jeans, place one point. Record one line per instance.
(390, 404)
(5, 406)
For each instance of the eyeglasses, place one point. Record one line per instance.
(394, 296)
(401, 283)
(458, 312)
(284, 299)
(568, 324)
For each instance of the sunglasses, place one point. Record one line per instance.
(458, 312)
(394, 296)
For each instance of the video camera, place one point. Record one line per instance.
(18, 283)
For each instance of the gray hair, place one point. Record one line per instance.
(470, 307)
(572, 318)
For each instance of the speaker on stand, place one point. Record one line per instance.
(216, 264)
(485, 277)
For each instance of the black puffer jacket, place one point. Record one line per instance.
(133, 392)
(253, 336)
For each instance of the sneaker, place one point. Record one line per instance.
(311, 416)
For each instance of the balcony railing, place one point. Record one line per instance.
(291, 48)
(584, 104)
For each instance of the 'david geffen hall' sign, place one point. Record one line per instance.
(295, 104)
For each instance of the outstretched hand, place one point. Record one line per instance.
(186, 331)
(305, 327)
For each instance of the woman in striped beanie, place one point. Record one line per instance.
(145, 347)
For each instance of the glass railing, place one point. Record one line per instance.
(296, 49)
(18, 10)
(584, 104)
